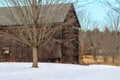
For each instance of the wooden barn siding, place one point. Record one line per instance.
(23, 52)
(70, 37)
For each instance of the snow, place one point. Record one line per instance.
(54, 71)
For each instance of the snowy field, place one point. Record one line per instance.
(50, 71)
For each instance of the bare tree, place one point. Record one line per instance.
(106, 42)
(83, 41)
(113, 21)
(114, 5)
(84, 18)
(95, 34)
(32, 21)
(95, 42)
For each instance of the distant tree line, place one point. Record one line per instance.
(97, 42)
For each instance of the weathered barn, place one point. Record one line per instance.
(66, 51)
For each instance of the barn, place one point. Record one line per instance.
(66, 51)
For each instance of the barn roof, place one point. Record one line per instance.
(55, 13)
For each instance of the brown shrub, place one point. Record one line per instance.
(109, 59)
(86, 60)
(99, 59)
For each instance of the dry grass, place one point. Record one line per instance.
(99, 59)
(88, 59)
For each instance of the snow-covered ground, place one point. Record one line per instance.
(51, 71)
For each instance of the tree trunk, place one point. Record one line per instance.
(35, 57)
